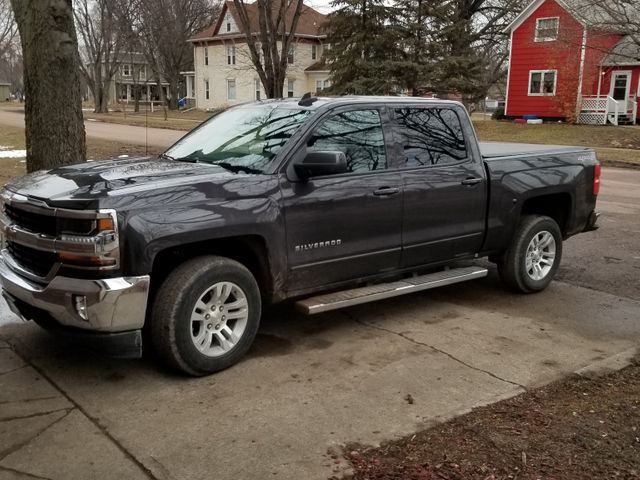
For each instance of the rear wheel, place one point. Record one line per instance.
(205, 315)
(532, 259)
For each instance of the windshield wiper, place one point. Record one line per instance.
(188, 158)
(237, 168)
(165, 156)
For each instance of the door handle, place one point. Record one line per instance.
(385, 191)
(471, 181)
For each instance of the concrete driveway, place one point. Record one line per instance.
(312, 383)
(128, 134)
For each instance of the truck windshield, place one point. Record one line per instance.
(241, 139)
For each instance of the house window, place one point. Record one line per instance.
(231, 89)
(322, 84)
(258, 85)
(142, 72)
(206, 55)
(314, 52)
(206, 89)
(126, 70)
(290, 88)
(231, 55)
(542, 82)
(547, 29)
(290, 54)
(228, 23)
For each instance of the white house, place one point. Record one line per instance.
(224, 74)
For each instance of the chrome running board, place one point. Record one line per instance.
(356, 296)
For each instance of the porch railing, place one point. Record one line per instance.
(597, 109)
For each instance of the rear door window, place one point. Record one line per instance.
(430, 136)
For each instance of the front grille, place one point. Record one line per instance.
(35, 261)
(34, 222)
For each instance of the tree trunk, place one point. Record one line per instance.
(173, 92)
(53, 110)
(103, 107)
(136, 99)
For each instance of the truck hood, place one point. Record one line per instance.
(92, 181)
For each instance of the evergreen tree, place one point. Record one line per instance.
(364, 53)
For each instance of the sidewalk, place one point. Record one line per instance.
(42, 428)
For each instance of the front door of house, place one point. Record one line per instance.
(620, 83)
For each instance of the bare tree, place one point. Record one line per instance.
(53, 110)
(269, 38)
(164, 27)
(99, 27)
(8, 28)
(621, 16)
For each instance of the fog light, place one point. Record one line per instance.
(80, 302)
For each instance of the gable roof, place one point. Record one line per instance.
(589, 13)
(310, 22)
(625, 52)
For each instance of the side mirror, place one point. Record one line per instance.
(321, 163)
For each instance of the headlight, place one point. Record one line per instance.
(99, 249)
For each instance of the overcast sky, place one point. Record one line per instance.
(320, 5)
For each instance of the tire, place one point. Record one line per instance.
(189, 329)
(517, 267)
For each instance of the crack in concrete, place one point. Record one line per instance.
(435, 349)
(95, 421)
(33, 415)
(25, 400)
(26, 474)
(13, 370)
(18, 446)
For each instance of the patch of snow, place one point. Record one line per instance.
(12, 153)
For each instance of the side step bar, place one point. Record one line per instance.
(348, 298)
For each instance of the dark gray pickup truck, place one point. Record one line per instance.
(331, 202)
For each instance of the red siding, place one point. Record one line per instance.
(598, 44)
(562, 55)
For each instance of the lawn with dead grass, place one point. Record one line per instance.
(176, 120)
(13, 138)
(614, 145)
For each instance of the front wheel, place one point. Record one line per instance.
(205, 315)
(533, 257)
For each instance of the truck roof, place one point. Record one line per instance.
(318, 102)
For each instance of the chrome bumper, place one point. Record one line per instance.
(112, 304)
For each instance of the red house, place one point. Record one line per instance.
(570, 59)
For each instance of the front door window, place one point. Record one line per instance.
(620, 86)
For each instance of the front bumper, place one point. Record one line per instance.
(112, 304)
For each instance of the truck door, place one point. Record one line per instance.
(344, 226)
(444, 186)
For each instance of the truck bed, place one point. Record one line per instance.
(491, 150)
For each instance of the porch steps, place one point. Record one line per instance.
(625, 120)
(357, 296)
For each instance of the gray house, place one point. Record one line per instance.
(134, 76)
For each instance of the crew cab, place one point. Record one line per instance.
(330, 202)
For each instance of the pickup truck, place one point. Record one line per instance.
(329, 202)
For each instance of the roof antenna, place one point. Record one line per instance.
(307, 100)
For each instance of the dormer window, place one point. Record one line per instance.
(229, 25)
(547, 29)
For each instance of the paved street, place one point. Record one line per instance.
(312, 383)
(127, 134)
